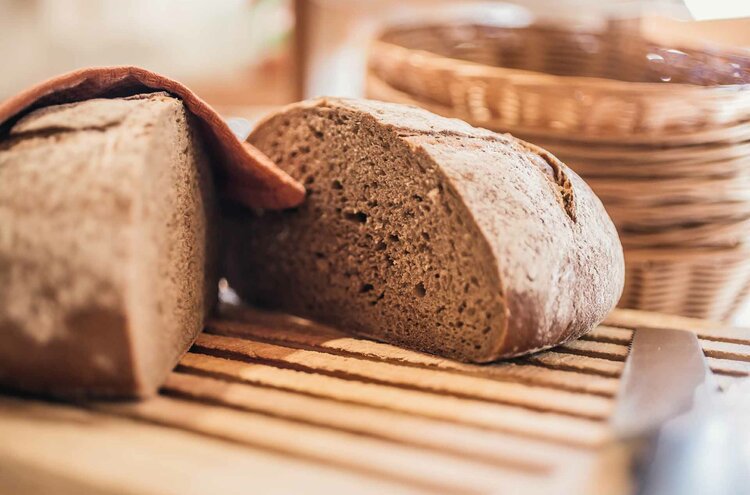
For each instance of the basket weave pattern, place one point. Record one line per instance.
(661, 134)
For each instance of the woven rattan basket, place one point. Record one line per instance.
(661, 134)
(561, 83)
(710, 283)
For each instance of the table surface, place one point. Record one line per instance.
(276, 404)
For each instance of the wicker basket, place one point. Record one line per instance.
(708, 284)
(555, 83)
(670, 161)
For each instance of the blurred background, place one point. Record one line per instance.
(647, 100)
(245, 52)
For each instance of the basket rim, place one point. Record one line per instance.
(465, 67)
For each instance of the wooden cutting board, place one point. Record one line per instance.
(266, 403)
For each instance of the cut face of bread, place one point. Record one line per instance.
(108, 259)
(426, 232)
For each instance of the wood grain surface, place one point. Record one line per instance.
(277, 404)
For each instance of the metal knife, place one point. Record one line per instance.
(669, 411)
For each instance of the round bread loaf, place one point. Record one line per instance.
(426, 232)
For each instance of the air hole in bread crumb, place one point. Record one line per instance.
(356, 216)
(486, 330)
(419, 289)
(336, 184)
(380, 246)
(365, 288)
(393, 237)
(425, 236)
(377, 299)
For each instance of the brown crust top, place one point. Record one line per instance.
(246, 174)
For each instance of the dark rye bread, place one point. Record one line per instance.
(108, 246)
(426, 232)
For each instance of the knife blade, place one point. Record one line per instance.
(664, 374)
(670, 413)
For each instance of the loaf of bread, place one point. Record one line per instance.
(108, 245)
(426, 232)
(108, 236)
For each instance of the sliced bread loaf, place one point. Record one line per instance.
(108, 248)
(426, 232)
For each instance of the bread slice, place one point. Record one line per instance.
(426, 232)
(108, 245)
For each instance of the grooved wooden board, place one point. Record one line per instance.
(280, 405)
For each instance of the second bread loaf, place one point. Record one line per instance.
(108, 245)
